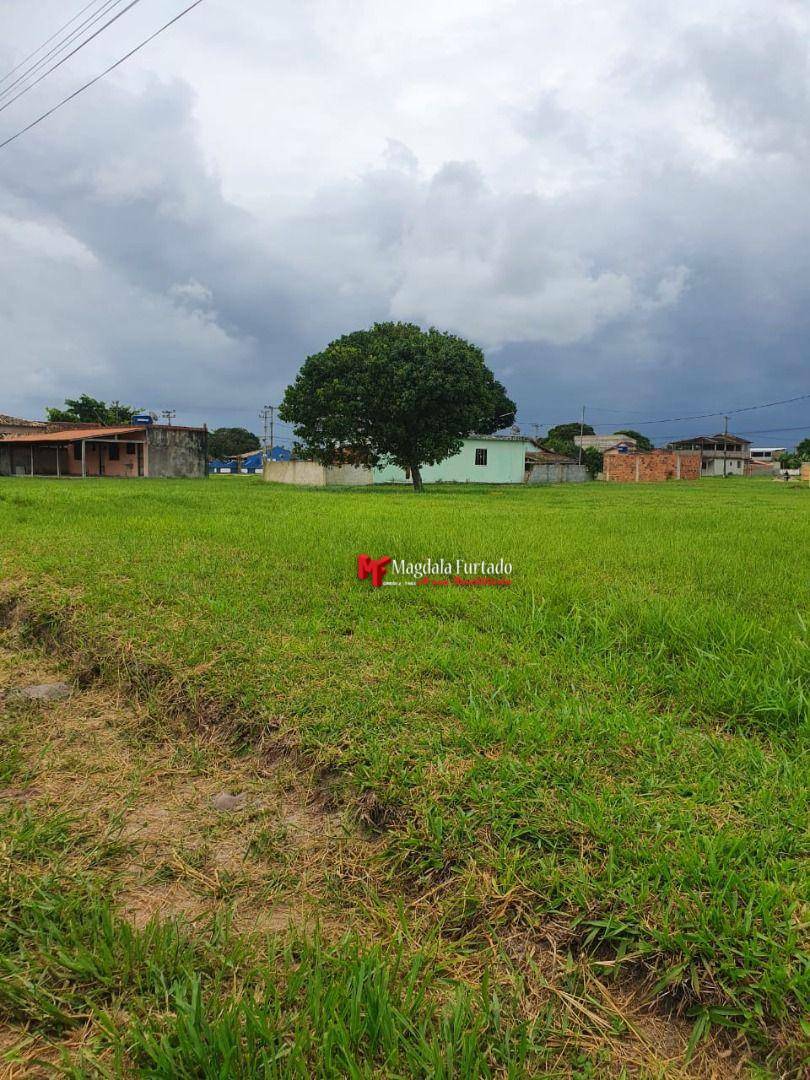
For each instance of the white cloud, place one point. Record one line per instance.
(43, 240)
(580, 187)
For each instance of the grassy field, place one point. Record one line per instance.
(556, 827)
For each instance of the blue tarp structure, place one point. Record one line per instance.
(253, 463)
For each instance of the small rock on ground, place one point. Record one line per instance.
(46, 691)
(226, 801)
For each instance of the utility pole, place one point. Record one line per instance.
(581, 433)
(267, 415)
(536, 432)
(169, 415)
(725, 444)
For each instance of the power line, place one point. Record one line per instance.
(770, 431)
(768, 404)
(106, 71)
(60, 46)
(726, 412)
(759, 431)
(73, 52)
(46, 42)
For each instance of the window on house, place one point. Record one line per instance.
(77, 451)
(115, 451)
(480, 455)
(130, 447)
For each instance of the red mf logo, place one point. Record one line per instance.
(376, 569)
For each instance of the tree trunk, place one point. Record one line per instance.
(416, 478)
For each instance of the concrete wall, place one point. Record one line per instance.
(735, 466)
(652, 467)
(559, 472)
(506, 464)
(306, 473)
(348, 476)
(312, 474)
(175, 452)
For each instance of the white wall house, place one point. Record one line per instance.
(483, 459)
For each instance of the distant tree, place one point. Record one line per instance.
(642, 442)
(226, 442)
(803, 449)
(568, 431)
(88, 410)
(560, 445)
(395, 393)
(790, 461)
(593, 460)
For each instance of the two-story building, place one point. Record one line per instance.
(720, 455)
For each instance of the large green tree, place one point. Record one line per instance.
(395, 393)
(803, 449)
(225, 442)
(642, 442)
(566, 432)
(88, 410)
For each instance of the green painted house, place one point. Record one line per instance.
(483, 459)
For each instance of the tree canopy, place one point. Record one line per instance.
(88, 410)
(642, 442)
(803, 449)
(560, 439)
(226, 442)
(395, 393)
(568, 431)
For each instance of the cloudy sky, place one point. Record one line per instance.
(609, 196)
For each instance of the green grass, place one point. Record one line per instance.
(615, 746)
(166, 1003)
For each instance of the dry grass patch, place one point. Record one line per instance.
(96, 757)
(280, 859)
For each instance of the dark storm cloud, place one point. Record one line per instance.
(638, 245)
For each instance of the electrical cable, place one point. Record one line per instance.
(97, 78)
(46, 42)
(73, 52)
(60, 46)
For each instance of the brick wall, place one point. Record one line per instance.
(652, 467)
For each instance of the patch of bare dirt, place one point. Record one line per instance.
(187, 850)
(162, 902)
